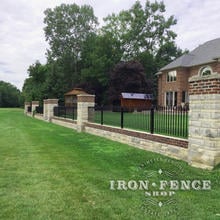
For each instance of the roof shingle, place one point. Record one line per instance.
(204, 53)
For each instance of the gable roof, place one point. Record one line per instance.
(76, 91)
(141, 96)
(204, 53)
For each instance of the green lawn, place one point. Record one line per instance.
(168, 124)
(51, 172)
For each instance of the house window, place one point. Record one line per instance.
(171, 99)
(171, 76)
(205, 71)
(185, 97)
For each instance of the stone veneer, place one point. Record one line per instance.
(204, 121)
(26, 105)
(49, 105)
(68, 123)
(169, 146)
(84, 101)
(34, 104)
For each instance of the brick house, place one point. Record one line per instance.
(173, 78)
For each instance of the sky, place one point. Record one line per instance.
(22, 39)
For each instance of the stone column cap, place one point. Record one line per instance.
(85, 98)
(51, 101)
(35, 102)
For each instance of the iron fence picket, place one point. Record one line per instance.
(159, 120)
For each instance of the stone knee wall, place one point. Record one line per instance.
(169, 146)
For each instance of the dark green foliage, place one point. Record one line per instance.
(67, 29)
(80, 55)
(127, 77)
(10, 96)
(35, 87)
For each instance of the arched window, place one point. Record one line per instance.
(205, 71)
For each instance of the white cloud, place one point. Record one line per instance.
(22, 40)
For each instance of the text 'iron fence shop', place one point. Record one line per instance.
(65, 112)
(159, 120)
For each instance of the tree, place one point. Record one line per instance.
(82, 56)
(99, 55)
(67, 28)
(167, 53)
(141, 29)
(35, 87)
(126, 77)
(10, 96)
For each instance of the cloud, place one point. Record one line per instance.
(197, 21)
(22, 40)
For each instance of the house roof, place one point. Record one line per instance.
(141, 96)
(75, 91)
(204, 53)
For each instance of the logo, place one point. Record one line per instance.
(161, 186)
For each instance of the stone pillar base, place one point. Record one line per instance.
(204, 121)
(26, 105)
(84, 101)
(203, 158)
(34, 104)
(49, 105)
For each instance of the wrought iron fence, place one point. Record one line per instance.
(39, 109)
(65, 112)
(29, 109)
(160, 120)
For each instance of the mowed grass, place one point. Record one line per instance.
(51, 172)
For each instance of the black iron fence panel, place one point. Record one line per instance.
(29, 109)
(65, 112)
(171, 121)
(160, 120)
(39, 109)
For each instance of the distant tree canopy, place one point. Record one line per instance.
(10, 96)
(81, 55)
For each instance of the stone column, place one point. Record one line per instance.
(204, 121)
(26, 105)
(33, 106)
(49, 105)
(84, 101)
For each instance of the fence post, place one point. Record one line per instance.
(152, 120)
(49, 105)
(34, 104)
(204, 121)
(26, 105)
(101, 114)
(84, 101)
(122, 117)
(73, 112)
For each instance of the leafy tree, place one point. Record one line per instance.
(99, 55)
(10, 96)
(67, 28)
(167, 53)
(141, 29)
(126, 77)
(82, 56)
(35, 87)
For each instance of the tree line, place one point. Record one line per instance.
(10, 96)
(122, 55)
